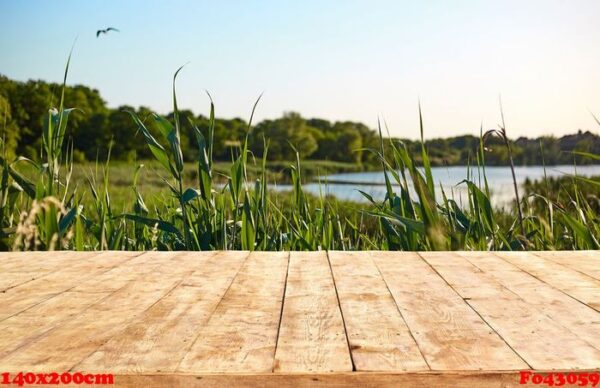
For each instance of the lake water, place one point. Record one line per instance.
(499, 181)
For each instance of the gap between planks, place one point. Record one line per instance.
(533, 331)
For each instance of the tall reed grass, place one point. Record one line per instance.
(45, 211)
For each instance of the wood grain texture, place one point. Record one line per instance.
(241, 334)
(311, 334)
(524, 326)
(586, 262)
(449, 333)
(449, 379)
(26, 295)
(26, 261)
(30, 325)
(579, 285)
(22, 267)
(65, 345)
(578, 318)
(159, 338)
(379, 338)
(302, 319)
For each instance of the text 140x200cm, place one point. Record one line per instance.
(54, 378)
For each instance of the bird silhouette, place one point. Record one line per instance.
(105, 31)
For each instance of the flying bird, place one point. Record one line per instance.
(105, 31)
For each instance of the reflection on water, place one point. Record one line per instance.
(499, 181)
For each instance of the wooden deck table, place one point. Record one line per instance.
(182, 319)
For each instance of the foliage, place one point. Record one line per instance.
(23, 106)
(210, 205)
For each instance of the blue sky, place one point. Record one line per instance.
(340, 60)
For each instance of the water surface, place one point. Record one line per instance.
(345, 186)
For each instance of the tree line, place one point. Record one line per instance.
(93, 126)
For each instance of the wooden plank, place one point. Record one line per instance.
(26, 327)
(29, 294)
(144, 267)
(158, 340)
(241, 334)
(524, 326)
(450, 379)
(39, 262)
(449, 333)
(28, 266)
(65, 306)
(577, 317)
(64, 346)
(586, 262)
(574, 283)
(28, 261)
(311, 334)
(379, 338)
(22, 260)
(140, 267)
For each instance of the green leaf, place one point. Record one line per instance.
(190, 194)
(164, 126)
(410, 224)
(136, 174)
(424, 155)
(587, 155)
(153, 223)
(584, 179)
(483, 205)
(248, 229)
(581, 231)
(140, 206)
(204, 164)
(27, 186)
(237, 174)
(157, 150)
(66, 220)
(367, 196)
(175, 137)
(172, 136)
(79, 233)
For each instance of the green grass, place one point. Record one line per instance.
(166, 204)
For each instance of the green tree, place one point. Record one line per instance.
(9, 131)
(348, 143)
(290, 129)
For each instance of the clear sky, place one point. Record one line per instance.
(340, 60)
